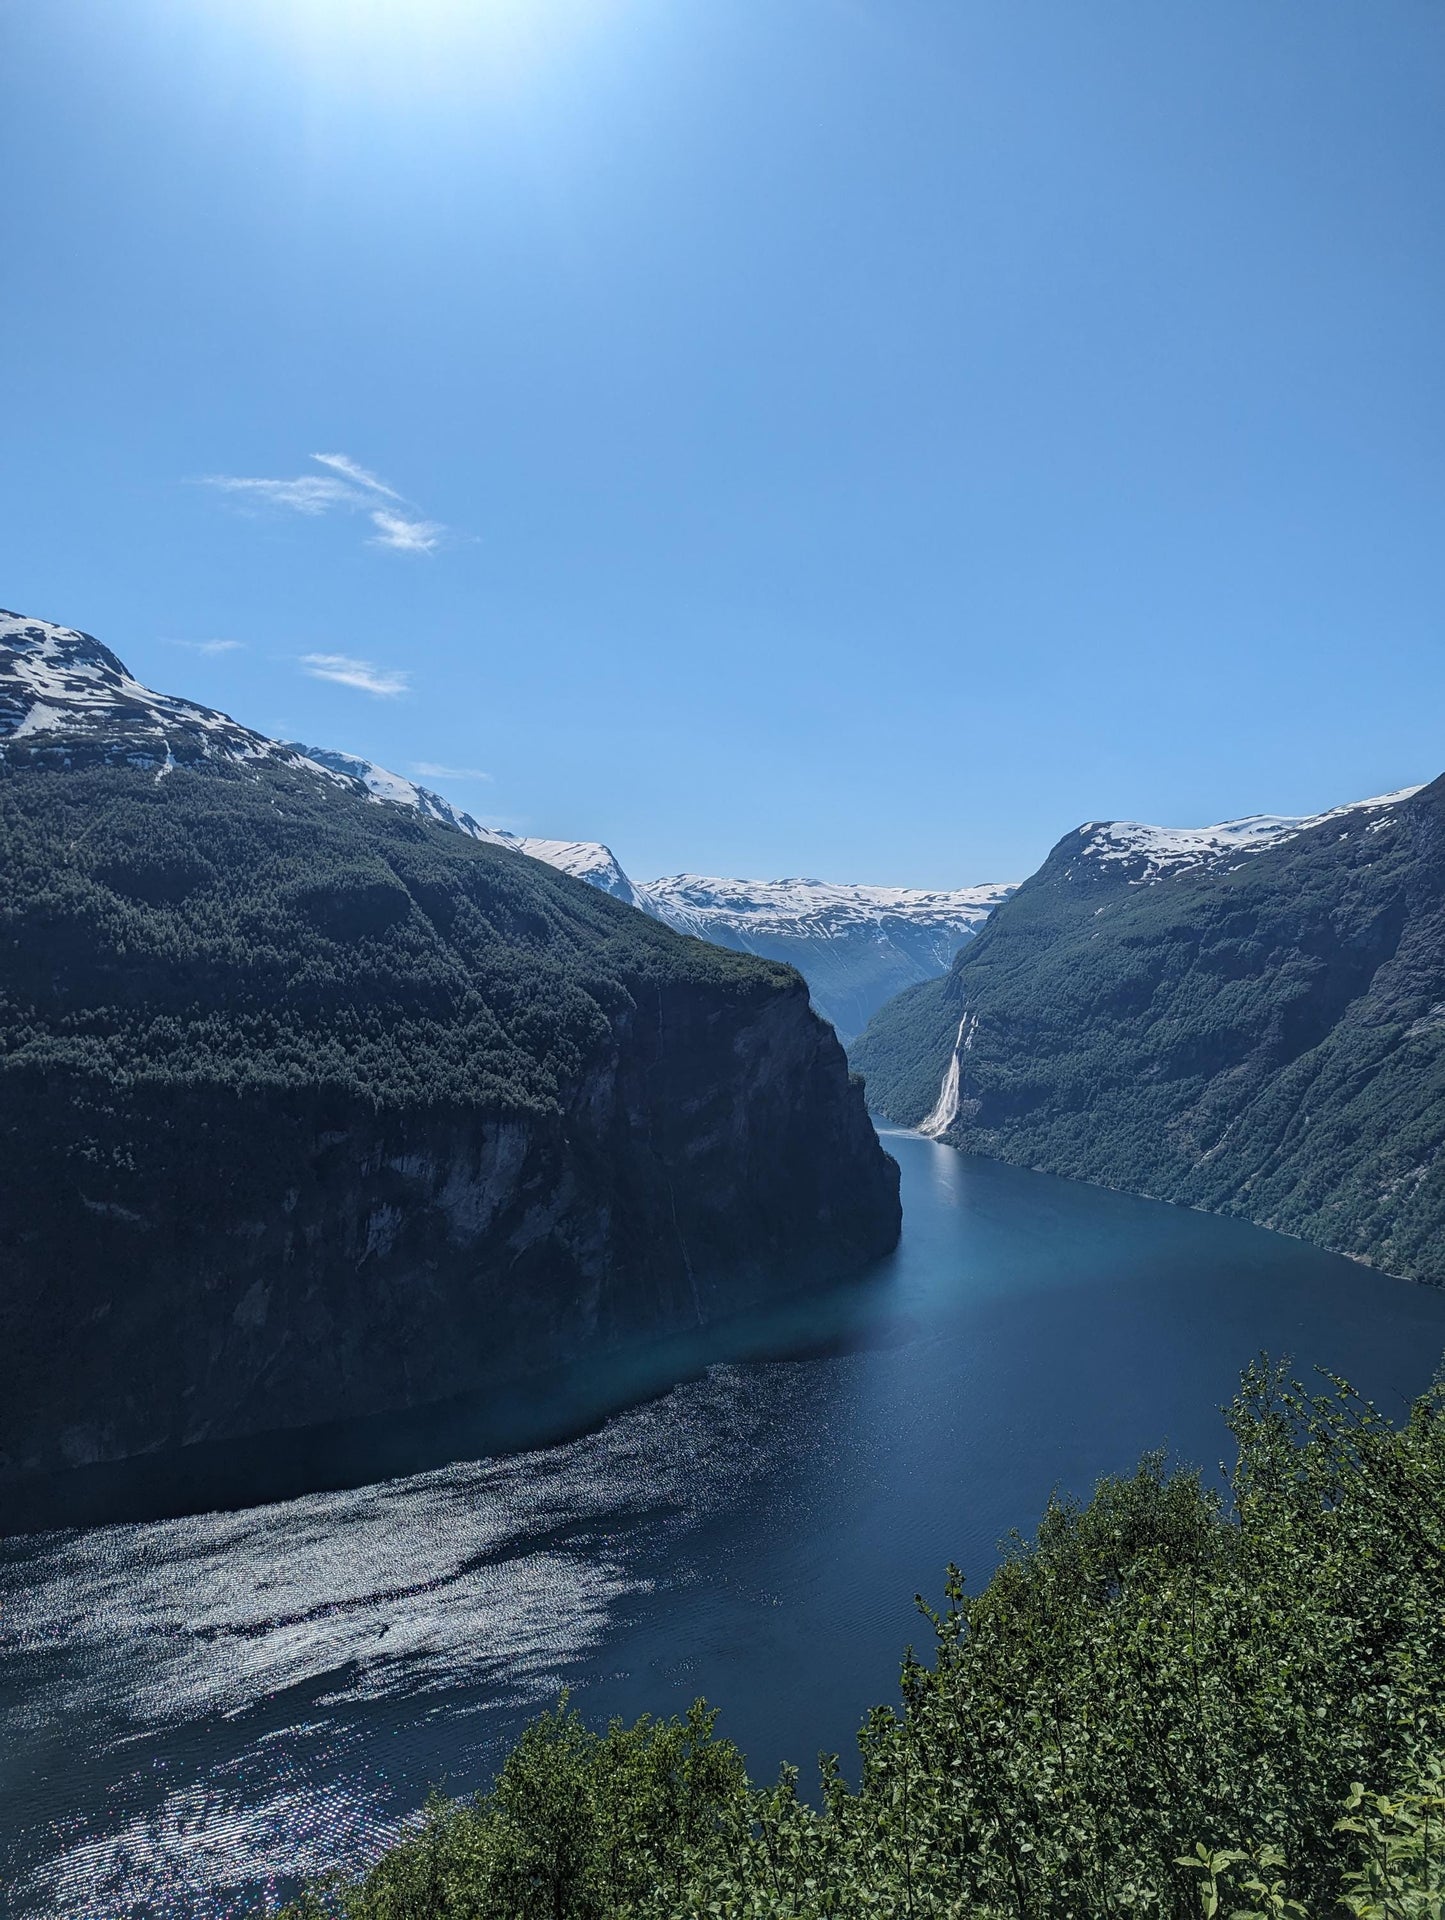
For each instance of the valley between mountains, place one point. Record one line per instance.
(332, 1112)
(856, 946)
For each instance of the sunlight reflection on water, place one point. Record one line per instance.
(467, 1591)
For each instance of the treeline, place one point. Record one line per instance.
(1171, 1702)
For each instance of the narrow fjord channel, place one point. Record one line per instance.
(196, 1710)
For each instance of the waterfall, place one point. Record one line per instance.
(946, 1111)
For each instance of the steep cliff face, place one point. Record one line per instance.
(316, 1108)
(211, 1262)
(1248, 1018)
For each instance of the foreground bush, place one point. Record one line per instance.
(1169, 1703)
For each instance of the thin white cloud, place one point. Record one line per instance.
(309, 493)
(429, 770)
(394, 530)
(345, 487)
(353, 470)
(349, 672)
(208, 646)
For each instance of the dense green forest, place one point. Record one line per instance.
(1173, 1701)
(1263, 1035)
(250, 926)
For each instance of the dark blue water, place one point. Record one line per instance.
(193, 1710)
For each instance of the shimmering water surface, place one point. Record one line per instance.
(195, 1710)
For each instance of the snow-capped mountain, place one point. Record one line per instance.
(65, 695)
(397, 791)
(589, 860)
(698, 904)
(856, 946)
(1244, 1017)
(1154, 853)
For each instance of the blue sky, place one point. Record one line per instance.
(859, 438)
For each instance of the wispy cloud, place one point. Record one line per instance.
(208, 646)
(309, 493)
(394, 530)
(349, 672)
(345, 487)
(354, 471)
(429, 770)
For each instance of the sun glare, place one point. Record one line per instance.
(397, 44)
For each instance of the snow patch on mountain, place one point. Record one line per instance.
(1161, 851)
(819, 909)
(588, 860)
(397, 791)
(55, 681)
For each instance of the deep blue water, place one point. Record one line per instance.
(194, 1709)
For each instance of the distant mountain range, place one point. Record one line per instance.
(315, 1106)
(856, 946)
(1247, 1017)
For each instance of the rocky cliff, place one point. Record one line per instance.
(316, 1108)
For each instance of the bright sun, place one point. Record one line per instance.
(398, 40)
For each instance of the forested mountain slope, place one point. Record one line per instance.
(1248, 1018)
(855, 945)
(314, 1106)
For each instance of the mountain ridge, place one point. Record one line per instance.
(1162, 851)
(855, 944)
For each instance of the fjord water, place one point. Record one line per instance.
(194, 1710)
